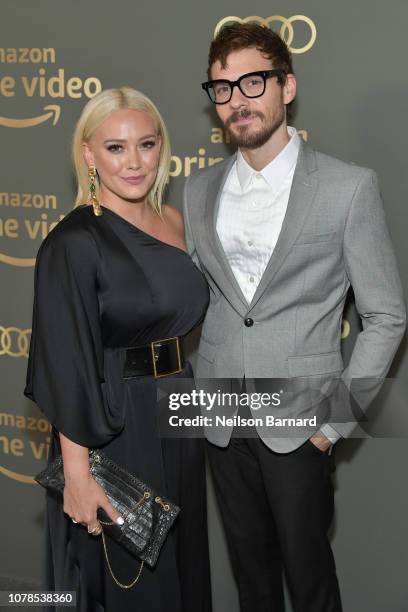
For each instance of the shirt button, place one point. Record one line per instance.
(249, 322)
(250, 243)
(258, 177)
(251, 279)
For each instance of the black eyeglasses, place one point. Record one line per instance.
(252, 85)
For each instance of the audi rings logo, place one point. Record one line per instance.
(14, 342)
(286, 28)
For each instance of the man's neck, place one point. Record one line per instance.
(262, 156)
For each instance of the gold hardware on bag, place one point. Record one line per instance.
(159, 500)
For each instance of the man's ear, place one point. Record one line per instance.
(289, 88)
(87, 154)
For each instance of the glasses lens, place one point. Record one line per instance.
(253, 85)
(220, 92)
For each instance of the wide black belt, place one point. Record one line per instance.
(157, 359)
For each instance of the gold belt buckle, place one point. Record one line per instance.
(155, 356)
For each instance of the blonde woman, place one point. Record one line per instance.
(112, 279)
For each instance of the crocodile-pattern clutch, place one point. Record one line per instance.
(147, 515)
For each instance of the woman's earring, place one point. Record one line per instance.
(92, 188)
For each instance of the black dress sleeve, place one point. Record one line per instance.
(65, 374)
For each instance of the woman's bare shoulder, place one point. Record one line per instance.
(172, 215)
(172, 212)
(175, 225)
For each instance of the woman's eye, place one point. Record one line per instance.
(149, 144)
(114, 148)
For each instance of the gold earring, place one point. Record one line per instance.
(92, 188)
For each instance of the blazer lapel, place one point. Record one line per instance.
(229, 284)
(301, 197)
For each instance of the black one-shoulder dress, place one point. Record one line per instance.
(102, 285)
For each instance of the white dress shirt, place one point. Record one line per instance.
(252, 208)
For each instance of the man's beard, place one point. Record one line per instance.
(254, 140)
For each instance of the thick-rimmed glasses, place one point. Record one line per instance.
(252, 85)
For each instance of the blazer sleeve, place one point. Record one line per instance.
(65, 368)
(371, 268)
(189, 234)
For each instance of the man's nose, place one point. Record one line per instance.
(237, 98)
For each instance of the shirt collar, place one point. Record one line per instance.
(277, 169)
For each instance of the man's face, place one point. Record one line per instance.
(252, 121)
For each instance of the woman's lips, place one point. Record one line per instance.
(134, 180)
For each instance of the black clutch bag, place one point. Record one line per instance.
(147, 515)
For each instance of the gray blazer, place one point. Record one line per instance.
(334, 235)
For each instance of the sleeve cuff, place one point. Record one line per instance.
(330, 433)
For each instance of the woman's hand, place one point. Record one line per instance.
(82, 498)
(82, 494)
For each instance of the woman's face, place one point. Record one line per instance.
(125, 150)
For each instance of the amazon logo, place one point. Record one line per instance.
(43, 85)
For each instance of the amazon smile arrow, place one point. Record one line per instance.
(53, 112)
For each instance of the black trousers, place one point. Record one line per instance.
(276, 510)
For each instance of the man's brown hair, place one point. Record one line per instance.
(238, 36)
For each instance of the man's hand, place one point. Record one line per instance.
(320, 440)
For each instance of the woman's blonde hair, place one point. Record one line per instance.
(94, 113)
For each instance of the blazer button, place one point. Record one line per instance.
(249, 322)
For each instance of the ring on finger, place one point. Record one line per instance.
(96, 530)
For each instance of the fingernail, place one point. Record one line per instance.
(120, 520)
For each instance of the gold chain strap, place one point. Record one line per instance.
(146, 496)
(123, 586)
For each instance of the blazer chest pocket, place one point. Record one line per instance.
(315, 238)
